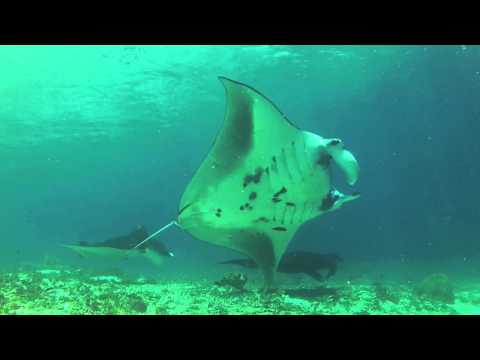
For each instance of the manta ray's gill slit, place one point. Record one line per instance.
(275, 210)
(301, 158)
(269, 178)
(296, 162)
(276, 179)
(274, 164)
(284, 163)
(309, 166)
(284, 214)
(302, 215)
(293, 207)
(293, 163)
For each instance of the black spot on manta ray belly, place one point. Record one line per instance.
(280, 192)
(246, 206)
(253, 178)
(253, 196)
(279, 228)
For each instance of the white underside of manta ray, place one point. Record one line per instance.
(262, 180)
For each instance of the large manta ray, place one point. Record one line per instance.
(262, 179)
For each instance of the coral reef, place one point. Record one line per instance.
(73, 291)
(233, 280)
(383, 293)
(436, 288)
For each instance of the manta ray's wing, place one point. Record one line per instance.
(262, 179)
(109, 253)
(100, 252)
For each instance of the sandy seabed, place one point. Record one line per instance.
(65, 291)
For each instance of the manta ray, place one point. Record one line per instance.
(261, 181)
(120, 248)
(294, 262)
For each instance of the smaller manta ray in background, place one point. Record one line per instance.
(119, 248)
(296, 262)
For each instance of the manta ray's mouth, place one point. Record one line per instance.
(183, 209)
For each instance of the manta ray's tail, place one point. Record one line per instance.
(162, 229)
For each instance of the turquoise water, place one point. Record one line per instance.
(97, 139)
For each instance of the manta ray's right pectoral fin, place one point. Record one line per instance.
(344, 159)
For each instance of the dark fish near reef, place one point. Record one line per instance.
(122, 247)
(295, 262)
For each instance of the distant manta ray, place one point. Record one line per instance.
(262, 179)
(295, 262)
(121, 247)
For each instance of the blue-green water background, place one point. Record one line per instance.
(96, 139)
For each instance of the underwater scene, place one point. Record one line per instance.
(239, 180)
